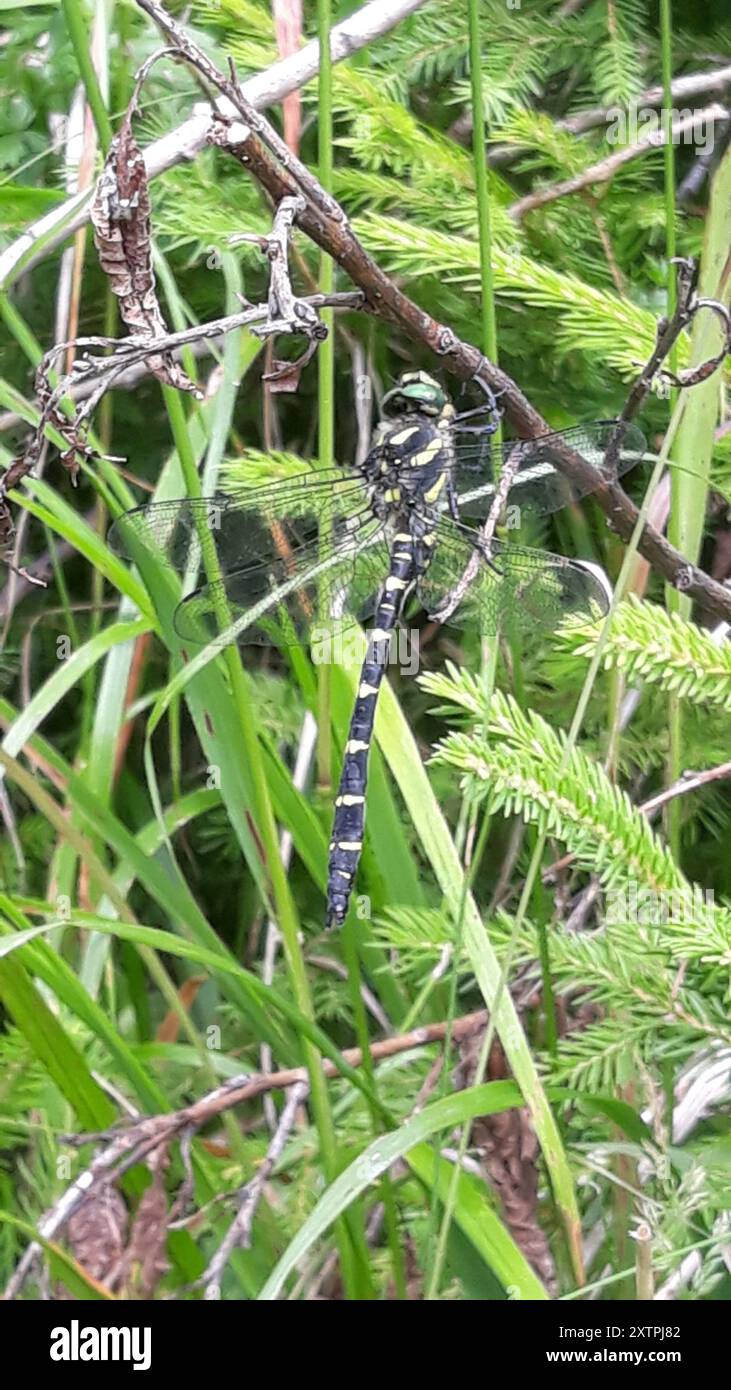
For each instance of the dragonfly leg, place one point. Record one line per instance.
(482, 554)
(468, 414)
(492, 396)
(452, 502)
(485, 549)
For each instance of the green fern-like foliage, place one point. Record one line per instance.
(585, 318)
(648, 644)
(643, 1011)
(517, 764)
(617, 64)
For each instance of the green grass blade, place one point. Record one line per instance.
(490, 1099)
(53, 1047)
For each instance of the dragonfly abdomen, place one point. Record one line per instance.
(349, 819)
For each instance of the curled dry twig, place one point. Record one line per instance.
(688, 304)
(287, 312)
(120, 215)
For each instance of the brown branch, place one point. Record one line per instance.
(385, 299)
(287, 312)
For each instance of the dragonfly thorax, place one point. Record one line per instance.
(408, 466)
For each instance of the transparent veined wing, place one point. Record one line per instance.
(520, 589)
(310, 591)
(538, 483)
(244, 523)
(311, 539)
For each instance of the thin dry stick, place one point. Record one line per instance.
(103, 371)
(689, 782)
(127, 380)
(607, 168)
(249, 1196)
(231, 89)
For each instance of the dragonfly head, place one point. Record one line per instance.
(415, 393)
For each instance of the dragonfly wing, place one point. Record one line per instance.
(539, 484)
(297, 594)
(521, 589)
(241, 523)
(261, 540)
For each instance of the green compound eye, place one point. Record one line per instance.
(414, 392)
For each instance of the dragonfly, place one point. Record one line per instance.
(299, 559)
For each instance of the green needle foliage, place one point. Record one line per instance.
(650, 646)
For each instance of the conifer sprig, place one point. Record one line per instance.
(648, 644)
(516, 764)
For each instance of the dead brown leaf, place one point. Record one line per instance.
(120, 216)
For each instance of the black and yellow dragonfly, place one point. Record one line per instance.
(300, 559)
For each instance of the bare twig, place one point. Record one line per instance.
(126, 380)
(239, 1232)
(689, 782)
(667, 333)
(607, 168)
(230, 88)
